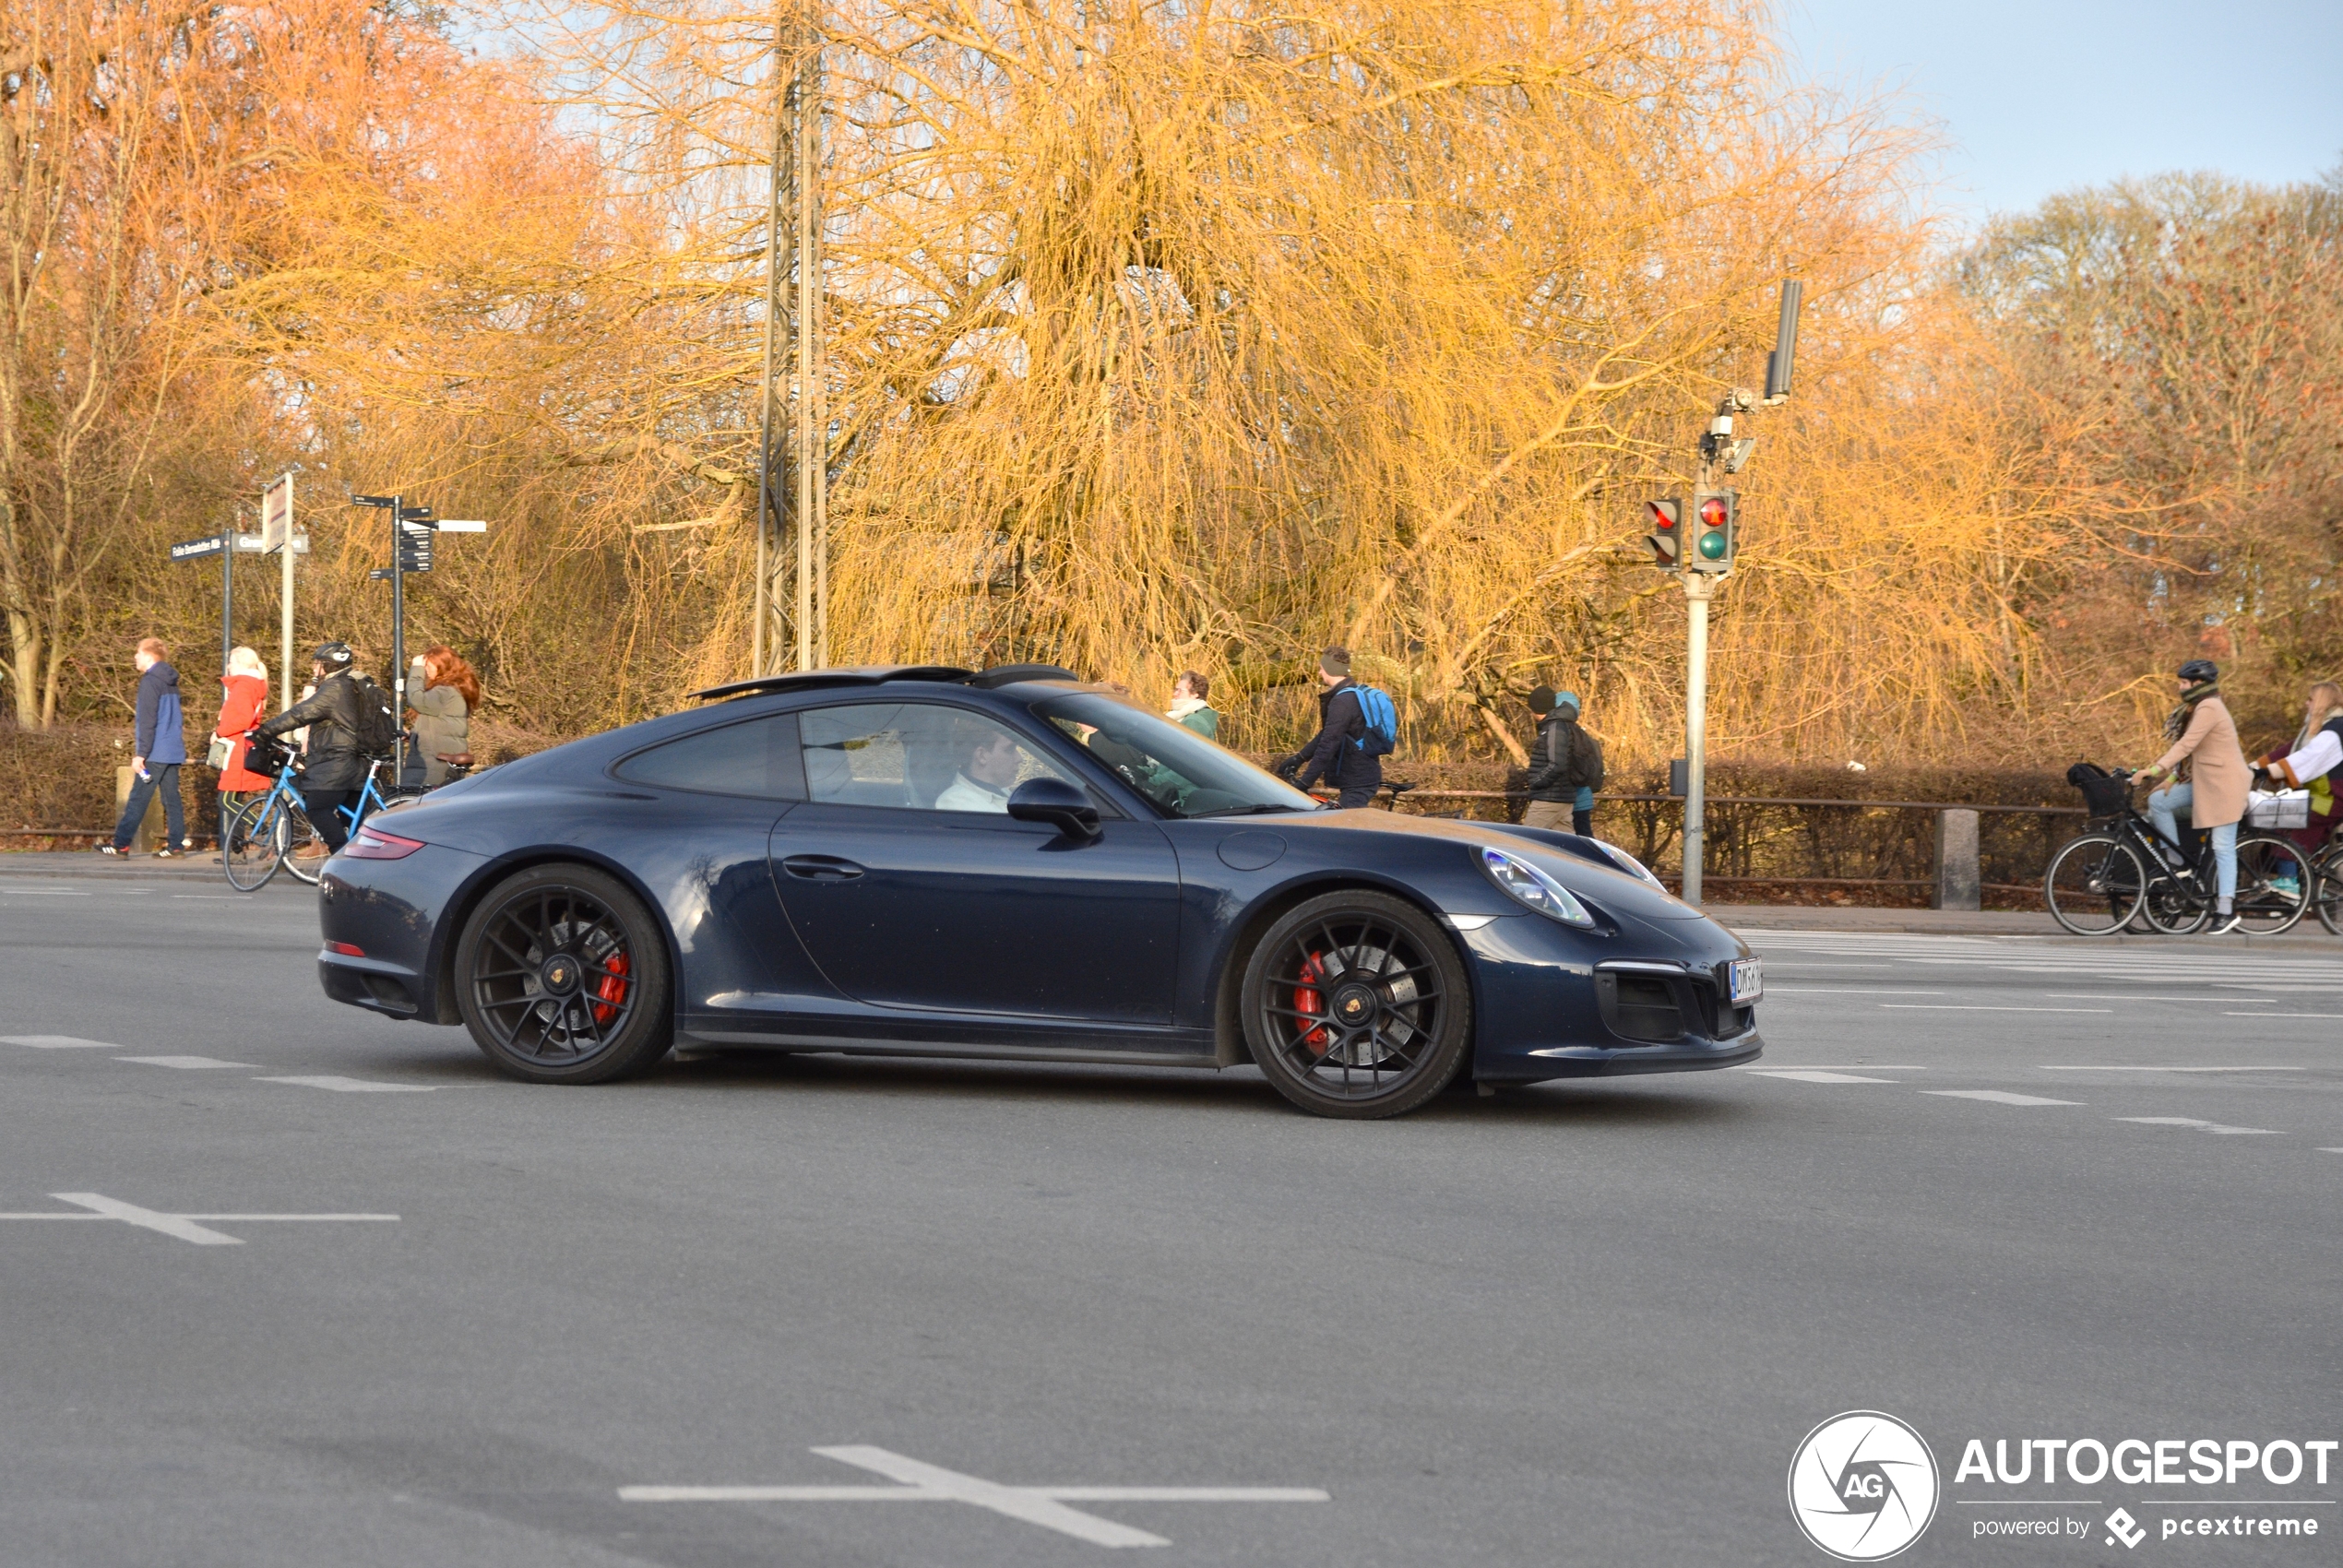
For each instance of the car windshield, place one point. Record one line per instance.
(1177, 769)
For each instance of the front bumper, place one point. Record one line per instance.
(1611, 1062)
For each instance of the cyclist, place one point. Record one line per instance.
(2203, 737)
(335, 770)
(2310, 763)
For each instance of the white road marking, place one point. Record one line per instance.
(1814, 1075)
(921, 1482)
(42, 893)
(181, 1226)
(1964, 1007)
(57, 1042)
(2091, 996)
(1999, 1096)
(187, 1061)
(2096, 1067)
(1828, 1067)
(2282, 1015)
(1840, 991)
(349, 1085)
(2199, 1126)
(237, 897)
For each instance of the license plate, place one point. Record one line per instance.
(1748, 979)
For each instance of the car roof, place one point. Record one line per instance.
(989, 679)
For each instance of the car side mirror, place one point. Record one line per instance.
(1054, 801)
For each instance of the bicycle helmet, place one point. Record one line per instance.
(334, 656)
(2196, 672)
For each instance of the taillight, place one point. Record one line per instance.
(371, 843)
(346, 949)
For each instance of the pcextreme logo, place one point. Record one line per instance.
(1862, 1486)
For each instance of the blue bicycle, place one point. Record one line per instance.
(259, 836)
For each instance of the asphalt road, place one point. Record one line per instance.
(1981, 1184)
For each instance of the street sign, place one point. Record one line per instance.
(276, 515)
(463, 524)
(374, 501)
(192, 548)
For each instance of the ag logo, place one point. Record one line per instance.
(1862, 1486)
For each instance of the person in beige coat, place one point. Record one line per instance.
(2204, 739)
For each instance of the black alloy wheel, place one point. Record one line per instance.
(1357, 1004)
(562, 977)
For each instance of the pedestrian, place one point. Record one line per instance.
(444, 690)
(157, 751)
(243, 697)
(2204, 739)
(1337, 752)
(1191, 704)
(334, 768)
(2310, 763)
(1565, 766)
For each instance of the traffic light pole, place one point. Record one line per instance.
(1698, 590)
(398, 634)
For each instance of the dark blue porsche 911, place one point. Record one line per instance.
(928, 861)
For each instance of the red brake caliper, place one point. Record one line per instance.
(1306, 1000)
(613, 989)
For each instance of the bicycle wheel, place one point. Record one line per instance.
(250, 844)
(2093, 885)
(2328, 896)
(299, 833)
(2273, 883)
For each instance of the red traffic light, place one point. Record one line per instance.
(1713, 512)
(1663, 514)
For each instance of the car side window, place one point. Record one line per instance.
(758, 757)
(916, 756)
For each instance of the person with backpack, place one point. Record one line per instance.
(1565, 768)
(350, 725)
(161, 748)
(1358, 726)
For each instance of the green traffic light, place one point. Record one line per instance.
(1712, 546)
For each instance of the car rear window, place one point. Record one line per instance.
(756, 757)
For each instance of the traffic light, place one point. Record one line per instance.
(1711, 547)
(1667, 536)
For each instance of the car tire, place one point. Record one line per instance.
(1393, 991)
(562, 977)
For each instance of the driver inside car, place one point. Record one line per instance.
(989, 766)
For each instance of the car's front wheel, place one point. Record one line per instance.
(1357, 1004)
(562, 977)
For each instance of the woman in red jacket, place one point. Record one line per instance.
(243, 704)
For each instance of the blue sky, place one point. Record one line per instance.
(2043, 96)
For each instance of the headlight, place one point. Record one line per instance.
(1533, 888)
(1629, 864)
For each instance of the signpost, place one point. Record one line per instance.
(217, 544)
(277, 536)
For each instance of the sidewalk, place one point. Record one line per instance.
(51, 865)
(2306, 938)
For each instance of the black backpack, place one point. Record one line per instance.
(1584, 768)
(378, 731)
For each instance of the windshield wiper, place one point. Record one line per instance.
(1244, 810)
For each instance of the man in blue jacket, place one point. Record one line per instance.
(1335, 753)
(160, 747)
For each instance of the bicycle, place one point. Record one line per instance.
(2326, 886)
(2101, 883)
(371, 799)
(259, 836)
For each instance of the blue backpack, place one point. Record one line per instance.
(1383, 721)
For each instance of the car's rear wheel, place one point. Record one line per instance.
(1357, 1004)
(562, 977)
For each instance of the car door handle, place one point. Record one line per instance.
(821, 868)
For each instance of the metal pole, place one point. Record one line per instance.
(397, 635)
(285, 608)
(759, 664)
(227, 589)
(807, 454)
(1697, 591)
